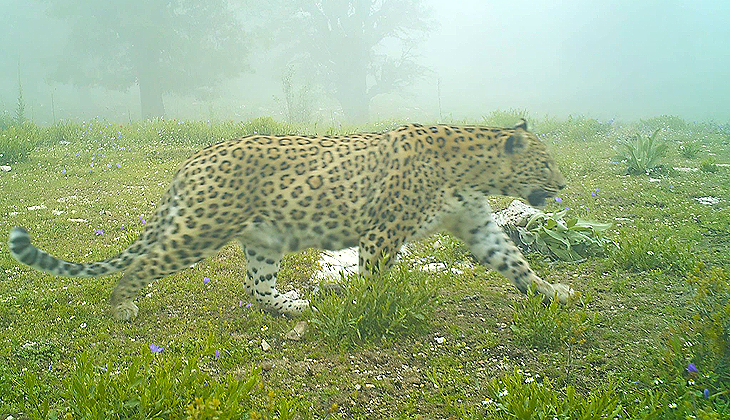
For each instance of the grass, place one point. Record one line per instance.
(460, 343)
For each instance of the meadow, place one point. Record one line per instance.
(649, 338)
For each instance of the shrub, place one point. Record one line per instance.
(537, 325)
(689, 149)
(667, 122)
(522, 396)
(17, 141)
(568, 240)
(641, 154)
(151, 386)
(642, 250)
(384, 305)
(709, 165)
(508, 118)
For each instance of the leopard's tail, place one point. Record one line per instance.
(22, 250)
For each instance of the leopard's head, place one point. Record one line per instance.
(532, 172)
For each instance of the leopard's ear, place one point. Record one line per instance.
(516, 143)
(522, 125)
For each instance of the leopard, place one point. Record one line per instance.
(278, 194)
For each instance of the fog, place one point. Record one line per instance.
(332, 61)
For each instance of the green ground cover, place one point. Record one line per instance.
(649, 339)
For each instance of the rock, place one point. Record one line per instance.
(267, 365)
(516, 214)
(264, 345)
(297, 333)
(5, 168)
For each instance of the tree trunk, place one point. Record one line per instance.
(149, 81)
(150, 97)
(352, 90)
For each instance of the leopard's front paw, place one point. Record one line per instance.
(125, 311)
(565, 293)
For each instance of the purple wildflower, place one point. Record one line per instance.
(706, 393)
(240, 303)
(154, 348)
(558, 200)
(248, 305)
(99, 231)
(119, 165)
(63, 171)
(141, 219)
(217, 354)
(691, 368)
(206, 280)
(108, 165)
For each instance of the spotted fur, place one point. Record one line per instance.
(280, 194)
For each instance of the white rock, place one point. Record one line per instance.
(264, 345)
(5, 168)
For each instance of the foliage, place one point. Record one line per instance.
(567, 240)
(641, 154)
(710, 322)
(298, 101)
(152, 385)
(665, 122)
(642, 250)
(348, 59)
(119, 44)
(508, 118)
(383, 306)
(17, 141)
(690, 149)
(575, 128)
(19, 118)
(709, 165)
(522, 396)
(536, 325)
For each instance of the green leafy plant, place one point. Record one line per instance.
(567, 240)
(522, 396)
(153, 385)
(689, 149)
(537, 325)
(642, 250)
(385, 305)
(508, 118)
(709, 165)
(641, 154)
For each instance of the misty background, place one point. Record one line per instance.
(334, 61)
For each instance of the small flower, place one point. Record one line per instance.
(108, 165)
(121, 227)
(486, 402)
(658, 381)
(672, 405)
(217, 354)
(690, 382)
(154, 348)
(691, 368)
(558, 200)
(99, 231)
(248, 305)
(240, 303)
(706, 393)
(63, 171)
(141, 219)
(206, 280)
(503, 393)
(529, 379)
(119, 165)
(635, 382)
